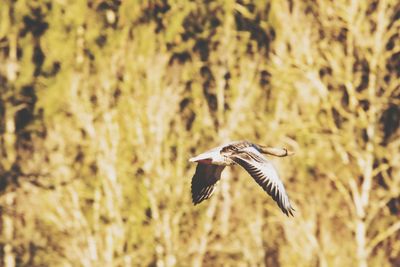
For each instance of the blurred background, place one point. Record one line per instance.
(102, 103)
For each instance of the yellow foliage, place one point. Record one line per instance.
(103, 102)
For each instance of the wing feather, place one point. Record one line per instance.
(204, 181)
(265, 175)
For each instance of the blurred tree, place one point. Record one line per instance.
(103, 102)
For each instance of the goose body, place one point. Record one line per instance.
(247, 155)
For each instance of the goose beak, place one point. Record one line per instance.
(275, 151)
(289, 153)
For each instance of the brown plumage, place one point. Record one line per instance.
(248, 155)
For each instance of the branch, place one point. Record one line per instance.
(382, 236)
(356, 198)
(342, 189)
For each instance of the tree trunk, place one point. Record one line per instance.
(361, 243)
(8, 233)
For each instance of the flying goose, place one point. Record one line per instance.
(248, 155)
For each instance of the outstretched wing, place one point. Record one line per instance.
(204, 180)
(265, 175)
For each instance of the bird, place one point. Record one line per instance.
(248, 155)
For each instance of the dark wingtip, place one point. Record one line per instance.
(197, 200)
(289, 212)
